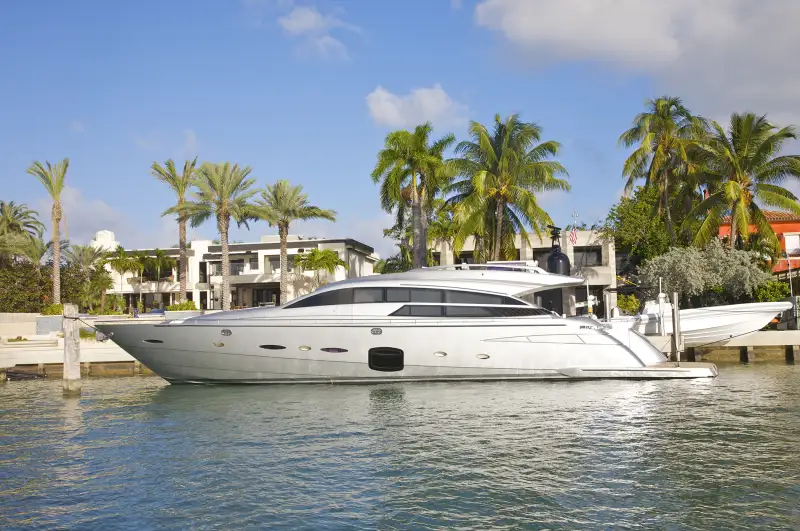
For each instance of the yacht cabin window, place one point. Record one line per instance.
(413, 295)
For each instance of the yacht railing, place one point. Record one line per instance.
(492, 267)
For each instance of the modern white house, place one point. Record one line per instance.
(590, 257)
(255, 271)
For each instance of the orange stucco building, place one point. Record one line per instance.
(787, 226)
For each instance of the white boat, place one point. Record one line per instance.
(708, 326)
(432, 324)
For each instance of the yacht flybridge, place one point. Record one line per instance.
(462, 322)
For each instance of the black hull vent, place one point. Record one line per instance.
(386, 359)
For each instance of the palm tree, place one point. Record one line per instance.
(317, 260)
(52, 178)
(410, 162)
(180, 184)
(37, 251)
(665, 135)
(501, 172)
(281, 204)
(742, 166)
(443, 227)
(160, 261)
(140, 262)
(19, 219)
(222, 191)
(85, 257)
(121, 263)
(99, 282)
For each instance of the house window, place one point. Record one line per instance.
(792, 243)
(254, 263)
(588, 256)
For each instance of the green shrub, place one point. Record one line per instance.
(109, 311)
(53, 309)
(182, 306)
(772, 291)
(628, 304)
(17, 339)
(88, 334)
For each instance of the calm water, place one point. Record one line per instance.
(134, 453)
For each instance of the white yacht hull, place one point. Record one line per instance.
(337, 351)
(712, 325)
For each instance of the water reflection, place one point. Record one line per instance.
(515, 455)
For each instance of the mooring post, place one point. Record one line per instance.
(691, 355)
(676, 328)
(791, 353)
(72, 351)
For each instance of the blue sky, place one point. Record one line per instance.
(307, 90)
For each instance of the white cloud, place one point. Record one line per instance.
(418, 106)
(314, 30)
(76, 126)
(722, 55)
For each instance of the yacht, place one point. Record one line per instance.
(444, 323)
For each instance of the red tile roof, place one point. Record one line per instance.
(771, 215)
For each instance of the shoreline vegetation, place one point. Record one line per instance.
(685, 176)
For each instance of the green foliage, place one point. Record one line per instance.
(628, 304)
(23, 288)
(97, 311)
(87, 334)
(708, 276)
(182, 306)
(636, 228)
(318, 260)
(16, 339)
(53, 309)
(772, 291)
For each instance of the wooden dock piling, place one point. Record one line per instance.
(72, 351)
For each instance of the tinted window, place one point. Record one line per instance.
(465, 297)
(426, 295)
(398, 295)
(468, 311)
(327, 298)
(419, 311)
(363, 295)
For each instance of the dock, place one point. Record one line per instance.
(762, 345)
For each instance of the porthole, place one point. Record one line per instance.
(305, 348)
(218, 344)
(482, 356)
(334, 350)
(440, 354)
(272, 347)
(226, 332)
(152, 341)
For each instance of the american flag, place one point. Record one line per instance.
(573, 235)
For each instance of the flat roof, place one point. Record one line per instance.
(291, 244)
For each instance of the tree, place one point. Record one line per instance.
(99, 282)
(742, 167)
(712, 275)
(140, 262)
(665, 135)
(317, 260)
(160, 262)
(84, 257)
(281, 204)
(409, 165)
(52, 178)
(502, 171)
(180, 184)
(19, 219)
(222, 191)
(121, 262)
(635, 228)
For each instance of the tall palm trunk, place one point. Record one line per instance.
(183, 270)
(423, 228)
(670, 228)
(283, 232)
(223, 222)
(102, 301)
(416, 224)
(56, 253)
(498, 230)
